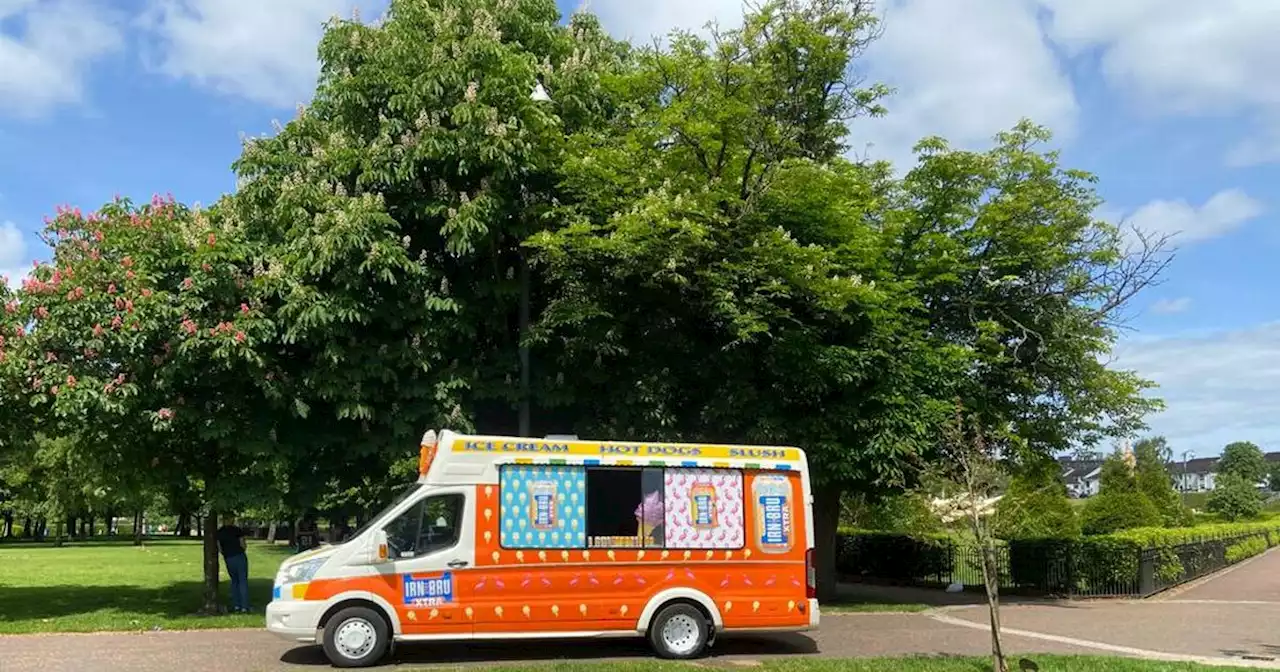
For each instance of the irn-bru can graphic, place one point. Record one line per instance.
(542, 505)
(702, 498)
(772, 495)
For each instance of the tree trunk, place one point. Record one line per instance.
(991, 581)
(57, 534)
(72, 527)
(27, 532)
(89, 526)
(271, 533)
(211, 605)
(137, 528)
(826, 523)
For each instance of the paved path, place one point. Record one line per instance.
(1232, 614)
(250, 651)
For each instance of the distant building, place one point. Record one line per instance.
(1083, 477)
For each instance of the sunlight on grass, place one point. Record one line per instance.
(932, 664)
(116, 586)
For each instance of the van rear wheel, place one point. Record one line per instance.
(356, 637)
(680, 632)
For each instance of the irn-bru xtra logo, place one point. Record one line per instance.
(427, 590)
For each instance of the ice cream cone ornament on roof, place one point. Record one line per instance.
(427, 452)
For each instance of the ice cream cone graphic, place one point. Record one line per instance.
(498, 610)
(526, 611)
(728, 606)
(488, 515)
(582, 609)
(488, 536)
(623, 610)
(519, 556)
(496, 556)
(564, 555)
(469, 612)
(542, 555)
(433, 614)
(755, 606)
(611, 555)
(413, 615)
(555, 611)
(640, 555)
(791, 605)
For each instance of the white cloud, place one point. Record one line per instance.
(255, 49)
(1171, 306)
(46, 47)
(1223, 213)
(1218, 387)
(641, 22)
(965, 71)
(13, 253)
(1185, 57)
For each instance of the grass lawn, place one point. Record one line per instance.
(115, 586)
(1045, 664)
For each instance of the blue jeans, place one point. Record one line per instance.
(238, 569)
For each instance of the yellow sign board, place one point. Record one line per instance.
(529, 447)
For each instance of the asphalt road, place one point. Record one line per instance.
(843, 636)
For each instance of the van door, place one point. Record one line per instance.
(431, 547)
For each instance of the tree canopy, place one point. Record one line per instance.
(673, 247)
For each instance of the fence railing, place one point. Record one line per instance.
(1092, 567)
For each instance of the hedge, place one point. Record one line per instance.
(1097, 565)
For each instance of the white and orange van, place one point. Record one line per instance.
(518, 538)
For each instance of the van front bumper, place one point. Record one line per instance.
(294, 620)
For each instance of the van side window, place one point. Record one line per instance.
(625, 508)
(432, 524)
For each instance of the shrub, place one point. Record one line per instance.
(1036, 507)
(895, 557)
(905, 513)
(1113, 511)
(1246, 549)
(1234, 497)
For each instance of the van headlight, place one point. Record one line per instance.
(299, 572)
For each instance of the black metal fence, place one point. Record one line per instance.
(1088, 567)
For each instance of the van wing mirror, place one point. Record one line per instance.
(378, 550)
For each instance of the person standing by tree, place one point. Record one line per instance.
(232, 545)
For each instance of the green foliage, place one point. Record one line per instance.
(906, 512)
(895, 556)
(1115, 510)
(1153, 480)
(1117, 474)
(1234, 497)
(1243, 459)
(1036, 506)
(1273, 478)
(1246, 549)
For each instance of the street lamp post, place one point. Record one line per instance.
(538, 95)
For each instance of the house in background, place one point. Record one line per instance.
(1083, 477)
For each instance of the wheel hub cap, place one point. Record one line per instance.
(680, 634)
(355, 638)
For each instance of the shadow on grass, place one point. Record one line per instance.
(34, 604)
(445, 653)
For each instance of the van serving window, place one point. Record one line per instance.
(625, 508)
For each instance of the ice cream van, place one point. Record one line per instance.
(506, 538)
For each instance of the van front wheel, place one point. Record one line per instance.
(680, 632)
(356, 637)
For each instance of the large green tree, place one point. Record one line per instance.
(1243, 459)
(140, 350)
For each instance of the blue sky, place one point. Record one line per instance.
(1173, 103)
